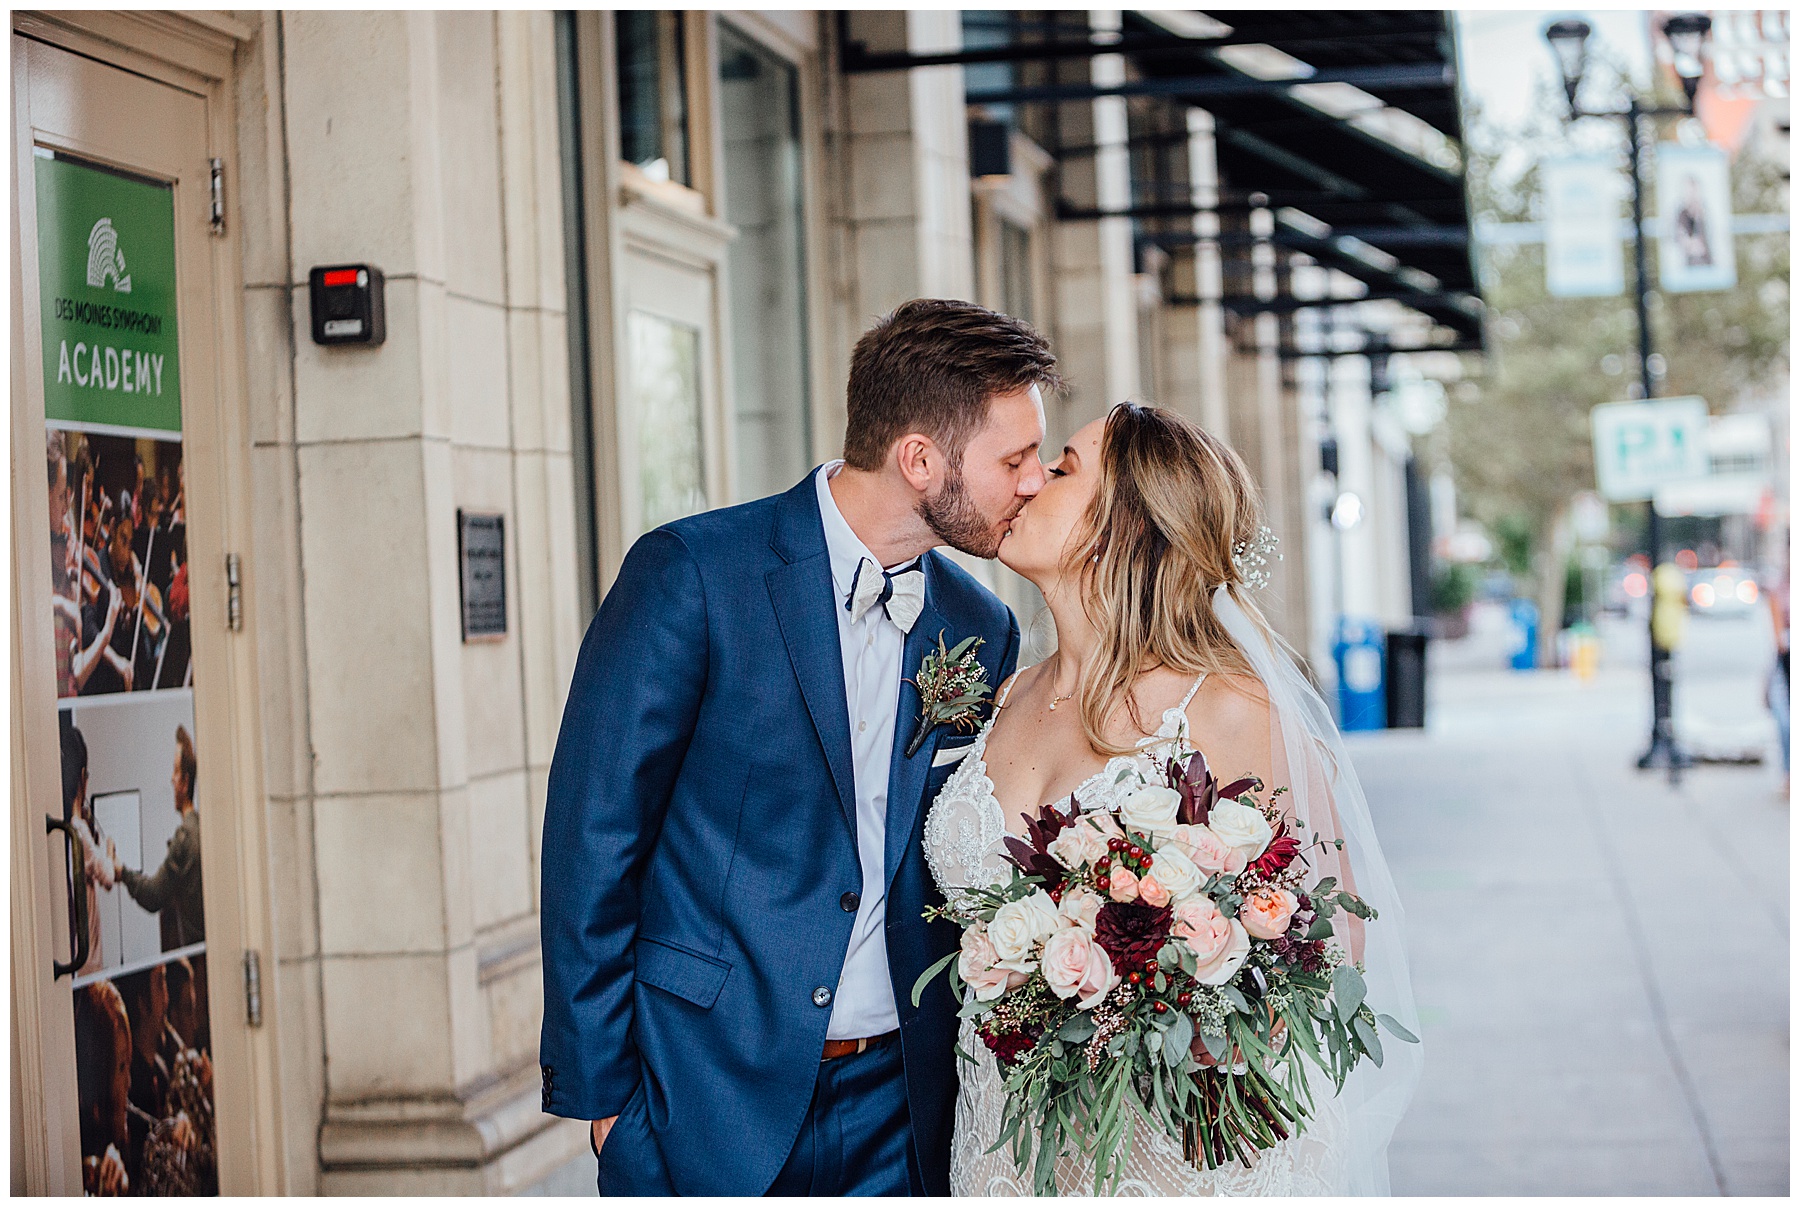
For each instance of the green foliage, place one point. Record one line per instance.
(1574, 590)
(1452, 588)
(1514, 535)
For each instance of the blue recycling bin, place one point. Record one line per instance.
(1522, 641)
(1361, 653)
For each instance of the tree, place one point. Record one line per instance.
(1518, 433)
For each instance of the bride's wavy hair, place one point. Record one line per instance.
(1173, 502)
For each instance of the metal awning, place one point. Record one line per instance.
(1348, 180)
(1347, 124)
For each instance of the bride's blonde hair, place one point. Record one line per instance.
(1172, 505)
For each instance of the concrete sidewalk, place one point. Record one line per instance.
(1601, 960)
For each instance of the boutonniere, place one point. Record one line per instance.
(951, 687)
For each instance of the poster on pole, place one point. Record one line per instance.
(1582, 254)
(1693, 191)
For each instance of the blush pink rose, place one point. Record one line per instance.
(1077, 967)
(977, 966)
(1124, 881)
(1267, 912)
(1209, 852)
(1152, 892)
(1220, 944)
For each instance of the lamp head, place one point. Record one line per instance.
(1687, 34)
(1568, 38)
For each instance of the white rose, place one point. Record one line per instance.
(1080, 908)
(1151, 810)
(1176, 872)
(1077, 846)
(1241, 827)
(1019, 926)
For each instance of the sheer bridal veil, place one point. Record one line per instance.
(1327, 799)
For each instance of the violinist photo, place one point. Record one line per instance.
(119, 564)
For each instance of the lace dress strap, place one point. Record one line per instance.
(1006, 690)
(1174, 719)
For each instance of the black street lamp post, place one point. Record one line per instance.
(1686, 33)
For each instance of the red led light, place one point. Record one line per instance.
(341, 276)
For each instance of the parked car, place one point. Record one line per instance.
(1722, 591)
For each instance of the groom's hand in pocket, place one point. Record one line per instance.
(599, 1132)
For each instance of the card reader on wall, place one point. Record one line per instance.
(347, 305)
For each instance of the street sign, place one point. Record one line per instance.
(1641, 446)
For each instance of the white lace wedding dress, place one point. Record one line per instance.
(963, 847)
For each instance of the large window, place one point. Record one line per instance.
(653, 111)
(766, 264)
(665, 396)
(1015, 270)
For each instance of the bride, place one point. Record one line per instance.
(1145, 542)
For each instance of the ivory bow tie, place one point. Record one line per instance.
(901, 594)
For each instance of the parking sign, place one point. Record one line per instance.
(1641, 446)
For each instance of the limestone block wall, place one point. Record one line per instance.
(406, 769)
(897, 171)
(1095, 295)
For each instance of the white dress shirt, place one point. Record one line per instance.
(872, 649)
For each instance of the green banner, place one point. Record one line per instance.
(106, 271)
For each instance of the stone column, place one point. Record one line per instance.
(424, 144)
(1095, 298)
(1195, 353)
(902, 150)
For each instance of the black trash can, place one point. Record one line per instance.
(1406, 678)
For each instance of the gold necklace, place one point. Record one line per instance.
(1055, 700)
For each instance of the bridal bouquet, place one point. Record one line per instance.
(1165, 965)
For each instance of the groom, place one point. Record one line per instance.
(732, 870)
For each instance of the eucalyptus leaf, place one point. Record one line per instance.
(1324, 887)
(1320, 929)
(1399, 1032)
(1078, 1029)
(1238, 1001)
(1370, 1041)
(925, 977)
(1179, 1039)
(1348, 990)
(1217, 1045)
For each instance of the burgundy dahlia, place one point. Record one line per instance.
(1131, 934)
(1007, 1048)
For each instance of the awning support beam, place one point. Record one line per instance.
(1421, 76)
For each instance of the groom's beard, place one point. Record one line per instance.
(958, 522)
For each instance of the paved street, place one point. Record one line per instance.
(1600, 959)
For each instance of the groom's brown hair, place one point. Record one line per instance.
(930, 367)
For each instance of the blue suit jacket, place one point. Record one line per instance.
(699, 835)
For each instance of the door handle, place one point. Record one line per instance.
(78, 902)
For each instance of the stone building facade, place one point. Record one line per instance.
(624, 257)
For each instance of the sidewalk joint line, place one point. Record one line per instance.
(1640, 951)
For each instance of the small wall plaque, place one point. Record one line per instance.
(481, 548)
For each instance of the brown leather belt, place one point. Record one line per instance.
(836, 1048)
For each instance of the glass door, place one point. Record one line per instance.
(116, 351)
